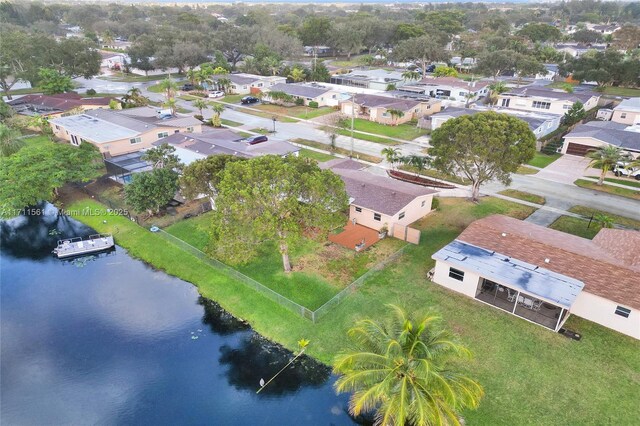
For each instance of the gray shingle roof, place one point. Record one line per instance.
(374, 101)
(552, 94)
(120, 119)
(301, 90)
(609, 132)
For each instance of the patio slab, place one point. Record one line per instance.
(355, 234)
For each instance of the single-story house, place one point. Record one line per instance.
(378, 79)
(377, 201)
(122, 131)
(111, 60)
(547, 100)
(379, 108)
(191, 146)
(627, 112)
(59, 105)
(594, 134)
(309, 92)
(552, 71)
(318, 51)
(451, 88)
(244, 84)
(543, 275)
(578, 49)
(605, 29)
(540, 124)
(463, 63)
(120, 45)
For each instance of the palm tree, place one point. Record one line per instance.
(495, 90)
(194, 77)
(297, 75)
(411, 75)
(605, 158)
(169, 86)
(217, 110)
(405, 370)
(468, 96)
(223, 84)
(172, 104)
(9, 141)
(201, 105)
(603, 220)
(419, 162)
(392, 155)
(395, 115)
(134, 98)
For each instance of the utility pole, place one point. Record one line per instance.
(353, 118)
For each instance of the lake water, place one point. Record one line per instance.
(110, 340)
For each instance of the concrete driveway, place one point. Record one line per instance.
(567, 169)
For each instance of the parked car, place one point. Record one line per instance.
(249, 100)
(253, 140)
(187, 87)
(624, 170)
(216, 94)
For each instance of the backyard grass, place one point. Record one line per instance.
(576, 226)
(338, 150)
(610, 189)
(525, 196)
(524, 170)
(401, 131)
(315, 155)
(530, 375)
(36, 140)
(543, 160)
(620, 220)
(230, 123)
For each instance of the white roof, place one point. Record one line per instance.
(631, 104)
(94, 129)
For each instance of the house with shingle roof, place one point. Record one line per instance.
(627, 112)
(308, 92)
(57, 105)
(122, 131)
(595, 134)
(543, 275)
(244, 84)
(451, 88)
(378, 201)
(380, 109)
(543, 99)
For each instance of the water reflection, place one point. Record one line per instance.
(220, 321)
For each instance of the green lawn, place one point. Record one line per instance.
(622, 91)
(615, 190)
(437, 174)
(524, 170)
(543, 160)
(230, 123)
(232, 99)
(576, 226)
(261, 131)
(36, 140)
(188, 97)
(131, 78)
(620, 220)
(530, 375)
(627, 182)
(315, 155)
(303, 112)
(525, 196)
(358, 155)
(401, 131)
(370, 138)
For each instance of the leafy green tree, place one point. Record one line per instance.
(574, 114)
(482, 147)
(150, 191)
(315, 30)
(411, 75)
(134, 98)
(605, 158)
(406, 369)
(113, 104)
(445, 72)
(163, 157)
(5, 110)
(605, 68)
(274, 198)
(586, 36)
(39, 172)
(424, 49)
(347, 39)
(627, 38)
(538, 32)
(495, 90)
(204, 176)
(319, 72)
(52, 82)
(169, 87)
(395, 115)
(172, 104)
(336, 125)
(10, 141)
(495, 63)
(405, 31)
(527, 66)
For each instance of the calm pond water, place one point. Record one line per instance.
(110, 340)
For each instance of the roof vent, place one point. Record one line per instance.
(504, 234)
(547, 260)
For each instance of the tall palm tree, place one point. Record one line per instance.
(217, 110)
(201, 104)
(404, 369)
(169, 86)
(411, 75)
(9, 141)
(395, 115)
(468, 97)
(223, 84)
(297, 75)
(172, 104)
(605, 158)
(392, 155)
(495, 89)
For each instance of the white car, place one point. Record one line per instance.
(623, 170)
(216, 94)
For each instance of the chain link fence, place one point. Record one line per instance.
(273, 295)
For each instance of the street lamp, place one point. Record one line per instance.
(274, 118)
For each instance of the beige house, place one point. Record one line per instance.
(595, 134)
(451, 88)
(380, 109)
(627, 112)
(121, 132)
(543, 275)
(377, 201)
(545, 100)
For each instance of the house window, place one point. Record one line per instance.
(377, 216)
(456, 274)
(135, 140)
(359, 209)
(541, 105)
(461, 93)
(623, 115)
(565, 107)
(57, 127)
(401, 215)
(505, 103)
(623, 312)
(189, 129)
(423, 203)
(163, 135)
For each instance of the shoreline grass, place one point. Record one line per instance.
(511, 356)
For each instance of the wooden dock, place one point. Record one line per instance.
(78, 246)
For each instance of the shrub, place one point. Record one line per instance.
(435, 204)
(313, 104)
(299, 101)
(91, 92)
(199, 94)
